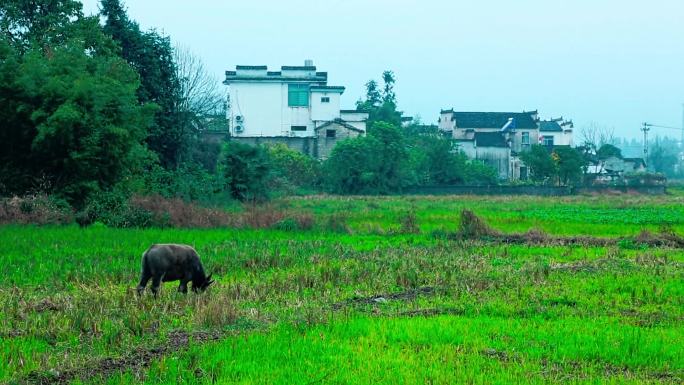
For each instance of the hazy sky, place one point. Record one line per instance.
(615, 63)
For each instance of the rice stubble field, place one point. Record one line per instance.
(580, 290)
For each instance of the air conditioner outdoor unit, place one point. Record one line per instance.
(239, 128)
(239, 118)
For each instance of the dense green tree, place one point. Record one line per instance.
(479, 173)
(607, 151)
(80, 128)
(388, 95)
(435, 160)
(247, 171)
(351, 167)
(375, 164)
(541, 165)
(151, 54)
(298, 169)
(662, 159)
(38, 23)
(381, 106)
(373, 96)
(392, 156)
(570, 164)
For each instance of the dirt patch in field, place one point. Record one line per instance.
(136, 361)
(575, 370)
(473, 227)
(376, 299)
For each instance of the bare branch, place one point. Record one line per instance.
(200, 93)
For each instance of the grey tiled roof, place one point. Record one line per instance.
(494, 119)
(490, 139)
(550, 126)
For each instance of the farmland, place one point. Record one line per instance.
(377, 290)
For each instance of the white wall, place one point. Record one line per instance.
(263, 104)
(559, 138)
(325, 111)
(356, 119)
(468, 148)
(260, 105)
(445, 122)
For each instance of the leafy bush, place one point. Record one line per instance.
(479, 173)
(36, 209)
(374, 164)
(296, 168)
(113, 209)
(190, 182)
(247, 171)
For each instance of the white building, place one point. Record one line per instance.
(497, 138)
(556, 132)
(295, 102)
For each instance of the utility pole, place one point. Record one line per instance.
(646, 128)
(681, 142)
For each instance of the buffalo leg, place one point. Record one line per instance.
(144, 277)
(183, 287)
(156, 281)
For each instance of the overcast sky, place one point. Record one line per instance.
(615, 63)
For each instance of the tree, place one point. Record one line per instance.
(662, 159)
(541, 164)
(381, 106)
(38, 23)
(594, 135)
(391, 155)
(350, 169)
(199, 91)
(374, 164)
(81, 125)
(373, 97)
(246, 170)
(388, 95)
(479, 173)
(608, 151)
(435, 161)
(570, 164)
(298, 169)
(152, 56)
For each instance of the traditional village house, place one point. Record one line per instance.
(495, 138)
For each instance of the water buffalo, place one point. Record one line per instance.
(171, 262)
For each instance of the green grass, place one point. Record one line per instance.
(370, 306)
(443, 350)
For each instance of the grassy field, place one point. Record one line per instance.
(360, 298)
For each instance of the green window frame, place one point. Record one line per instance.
(298, 95)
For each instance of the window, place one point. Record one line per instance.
(330, 133)
(298, 95)
(525, 138)
(298, 128)
(325, 99)
(548, 141)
